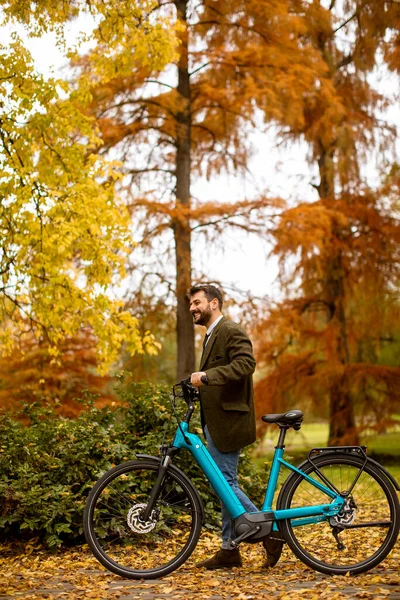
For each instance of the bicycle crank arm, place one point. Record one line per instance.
(235, 543)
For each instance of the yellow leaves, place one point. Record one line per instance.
(34, 574)
(167, 589)
(128, 34)
(64, 231)
(212, 582)
(150, 345)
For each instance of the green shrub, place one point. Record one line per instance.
(48, 466)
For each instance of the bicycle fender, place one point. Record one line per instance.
(386, 472)
(156, 458)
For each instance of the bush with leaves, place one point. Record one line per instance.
(48, 465)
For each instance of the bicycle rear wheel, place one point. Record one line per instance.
(366, 529)
(129, 546)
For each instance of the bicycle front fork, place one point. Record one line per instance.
(165, 461)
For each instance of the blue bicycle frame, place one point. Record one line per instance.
(303, 515)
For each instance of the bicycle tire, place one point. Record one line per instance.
(374, 501)
(121, 541)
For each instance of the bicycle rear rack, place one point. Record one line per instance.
(360, 450)
(332, 449)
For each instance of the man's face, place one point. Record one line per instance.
(200, 308)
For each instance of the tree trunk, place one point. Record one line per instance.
(326, 171)
(181, 224)
(342, 429)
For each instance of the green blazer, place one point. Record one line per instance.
(227, 403)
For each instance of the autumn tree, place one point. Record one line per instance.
(191, 120)
(29, 374)
(65, 233)
(343, 247)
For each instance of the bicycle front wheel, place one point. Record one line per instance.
(361, 535)
(129, 546)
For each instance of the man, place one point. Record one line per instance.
(227, 408)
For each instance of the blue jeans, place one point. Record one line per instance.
(228, 463)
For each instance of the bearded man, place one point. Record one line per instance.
(227, 408)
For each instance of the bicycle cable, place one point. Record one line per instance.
(172, 398)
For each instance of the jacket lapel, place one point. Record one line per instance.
(210, 343)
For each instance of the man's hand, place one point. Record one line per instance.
(195, 378)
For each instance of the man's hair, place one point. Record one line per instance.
(210, 291)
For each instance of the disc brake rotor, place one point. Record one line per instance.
(136, 524)
(347, 514)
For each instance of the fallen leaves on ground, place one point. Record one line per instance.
(29, 572)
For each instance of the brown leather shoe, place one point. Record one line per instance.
(223, 559)
(273, 548)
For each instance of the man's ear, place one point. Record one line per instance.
(215, 303)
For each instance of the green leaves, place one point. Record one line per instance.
(48, 467)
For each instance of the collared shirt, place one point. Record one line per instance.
(210, 329)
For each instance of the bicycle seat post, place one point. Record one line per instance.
(282, 434)
(275, 468)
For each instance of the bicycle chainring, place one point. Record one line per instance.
(136, 524)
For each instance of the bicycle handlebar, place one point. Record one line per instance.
(187, 390)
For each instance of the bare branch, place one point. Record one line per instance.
(199, 68)
(171, 87)
(345, 22)
(346, 60)
(149, 170)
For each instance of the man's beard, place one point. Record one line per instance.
(204, 317)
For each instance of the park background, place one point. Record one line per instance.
(251, 144)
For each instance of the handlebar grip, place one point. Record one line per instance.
(204, 379)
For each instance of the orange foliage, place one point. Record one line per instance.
(30, 374)
(298, 342)
(241, 54)
(339, 256)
